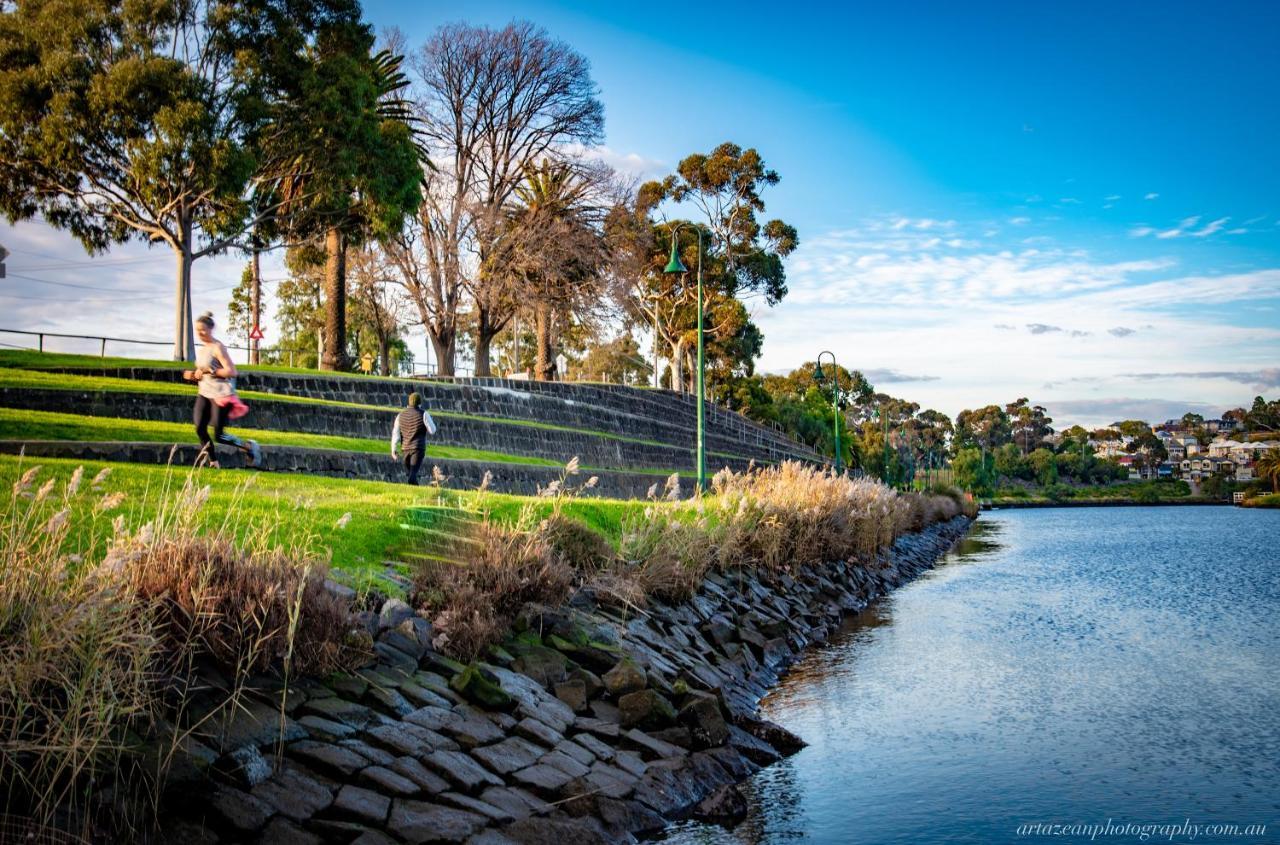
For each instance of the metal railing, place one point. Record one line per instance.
(128, 341)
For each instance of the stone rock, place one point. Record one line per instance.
(605, 711)
(509, 755)
(389, 701)
(515, 802)
(245, 766)
(775, 735)
(645, 708)
(284, 832)
(539, 732)
(340, 710)
(294, 794)
(678, 735)
(652, 746)
(545, 665)
(351, 686)
(480, 687)
(475, 805)
(469, 727)
(628, 816)
(325, 730)
(362, 805)
(573, 693)
(254, 723)
(239, 810)
(428, 780)
(547, 779)
(590, 680)
(701, 715)
(418, 822)
(420, 696)
(625, 677)
(554, 831)
(373, 837)
(367, 751)
(388, 782)
(459, 769)
(393, 612)
(328, 758)
(565, 763)
(726, 805)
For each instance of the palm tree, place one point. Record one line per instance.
(1268, 467)
(552, 249)
(346, 160)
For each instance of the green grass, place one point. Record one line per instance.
(292, 511)
(304, 511)
(1269, 500)
(1137, 491)
(18, 424)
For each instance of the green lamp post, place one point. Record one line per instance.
(675, 265)
(819, 376)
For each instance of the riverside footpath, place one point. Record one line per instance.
(589, 726)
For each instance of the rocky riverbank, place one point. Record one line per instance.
(590, 726)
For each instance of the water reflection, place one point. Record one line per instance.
(1068, 665)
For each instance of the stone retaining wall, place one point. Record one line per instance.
(659, 416)
(590, 727)
(492, 435)
(523, 479)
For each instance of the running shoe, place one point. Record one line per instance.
(255, 454)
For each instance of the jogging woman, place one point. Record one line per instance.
(216, 399)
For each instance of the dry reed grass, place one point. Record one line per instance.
(98, 645)
(776, 519)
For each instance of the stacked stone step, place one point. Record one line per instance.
(659, 416)
(586, 726)
(491, 434)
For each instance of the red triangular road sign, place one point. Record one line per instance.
(256, 334)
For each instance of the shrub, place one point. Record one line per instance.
(474, 601)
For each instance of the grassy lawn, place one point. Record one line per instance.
(300, 511)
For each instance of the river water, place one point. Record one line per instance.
(1075, 666)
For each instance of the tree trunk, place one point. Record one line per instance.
(486, 331)
(677, 366)
(335, 312)
(544, 361)
(184, 346)
(444, 344)
(384, 355)
(255, 353)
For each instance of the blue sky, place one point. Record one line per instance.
(1072, 202)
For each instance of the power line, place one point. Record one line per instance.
(70, 285)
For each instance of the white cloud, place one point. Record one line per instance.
(1185, 227)
(1151, 196)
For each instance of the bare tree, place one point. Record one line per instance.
(381, 302)
(493, 101)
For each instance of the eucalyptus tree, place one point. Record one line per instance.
(343, 164)
(492, 102)
(743, 258)
(128, 121)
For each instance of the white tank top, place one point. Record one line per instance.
(210, 386)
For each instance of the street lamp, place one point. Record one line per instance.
(835, 400)
(675, 265)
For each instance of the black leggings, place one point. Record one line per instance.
(205, 412)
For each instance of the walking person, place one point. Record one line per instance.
(409, 432)
(216, 399)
